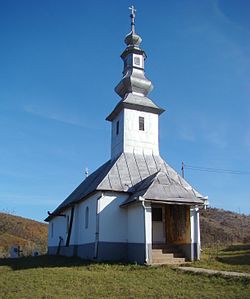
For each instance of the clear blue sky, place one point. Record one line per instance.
(59, 64)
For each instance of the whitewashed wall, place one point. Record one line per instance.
(117, 141)
(136, 224)
(79, 233)
(140, 141)
(59, 224)
(86, 235)
(116, 224)
(112, 218)
(130, 138)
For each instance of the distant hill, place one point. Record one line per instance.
(29, 234)
(224, 227)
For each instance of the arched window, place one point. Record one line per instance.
(52, 229)
(67, 224)
(87, 217)
(117, 127)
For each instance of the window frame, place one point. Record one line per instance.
(67, 223)
(86, 222)
(52, 230)
(117, 127)
(141, 123)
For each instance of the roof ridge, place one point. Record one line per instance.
(150, 178)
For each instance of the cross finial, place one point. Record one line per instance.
(133, 10)
(132, 16)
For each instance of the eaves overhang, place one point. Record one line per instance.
(133, 50)
(169, 201)
(121, 105)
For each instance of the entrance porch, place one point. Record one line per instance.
(175, 233)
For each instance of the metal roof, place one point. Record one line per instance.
(160, 187)
(135, 102)
(148, 176)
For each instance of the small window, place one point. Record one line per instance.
(117, 127)
(87, 217)
(52, 229)
(67, 224)
(156, 214)
(141, 123)
(137, 61)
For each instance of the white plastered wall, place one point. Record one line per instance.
(59, 224)
(130, 139)
(79, 233)
(136, 232)
(112, 218)
(139, 141)
(86, 235)
(117, 139)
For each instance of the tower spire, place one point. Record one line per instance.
(135, 118)
(134, 80)
(132, 16)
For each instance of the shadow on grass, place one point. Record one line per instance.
(53, 261)
(43, 261)
(235, 260)
(238, 247)
(235, 255)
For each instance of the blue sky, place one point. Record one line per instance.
(59, 66)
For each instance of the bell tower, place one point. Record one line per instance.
(135, 118)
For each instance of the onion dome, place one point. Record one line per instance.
(134, 79)
(133, 39)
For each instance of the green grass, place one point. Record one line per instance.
(232, 258)
(60, 277)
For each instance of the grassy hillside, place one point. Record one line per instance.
(29, 234)
(223, 227)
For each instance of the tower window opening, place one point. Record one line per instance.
(137, 61)
(141, 123)
(117, 127)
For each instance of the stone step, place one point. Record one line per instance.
(173, 263)
(163, 251)
(168, 261)
(161, 254)
(167, 255)
(165, 247)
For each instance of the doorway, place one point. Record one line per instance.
(158, 225)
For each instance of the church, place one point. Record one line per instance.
(135, 207)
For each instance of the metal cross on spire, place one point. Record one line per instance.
(132, 16)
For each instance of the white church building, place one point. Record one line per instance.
(135, 207)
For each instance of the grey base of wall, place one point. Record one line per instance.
(106, 251)
(120, 252)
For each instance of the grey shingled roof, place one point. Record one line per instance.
(161, 187)
(139, 175)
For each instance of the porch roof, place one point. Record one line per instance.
(163, 188)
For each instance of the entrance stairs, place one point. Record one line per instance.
(163, 254)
